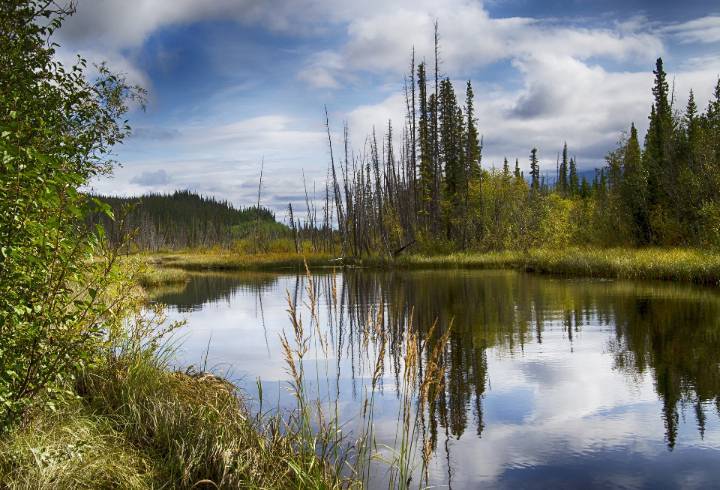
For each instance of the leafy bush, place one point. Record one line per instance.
(56, 129)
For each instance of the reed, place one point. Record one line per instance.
(420, 381)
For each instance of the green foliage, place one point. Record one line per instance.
(56, 129)
(135, 423)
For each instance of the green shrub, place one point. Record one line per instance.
(55, 130)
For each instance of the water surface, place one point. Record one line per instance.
(549, 382)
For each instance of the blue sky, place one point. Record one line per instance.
(234, 81)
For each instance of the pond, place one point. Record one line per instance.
(545, 382)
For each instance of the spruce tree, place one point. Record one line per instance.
(689, 186)
(633, 188)
(585, 189)
(426, 150)
(452, 154)
(658, 142)
(693, 134)
(573, 183)
(712, 131)
(563, 177)
(472, 145)
(534, 170)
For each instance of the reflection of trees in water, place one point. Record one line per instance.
(207, 288)
(678, 340)
(671, 330)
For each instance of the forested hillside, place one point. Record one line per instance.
(183, 219)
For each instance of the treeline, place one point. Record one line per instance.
(432, 191)
(183, 219)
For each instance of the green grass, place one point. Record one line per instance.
(136, 424)
(670, 264)
(153, 277)
(667, 264)
(687, 265)
(71, 448)
(228, 261)
(129, 421)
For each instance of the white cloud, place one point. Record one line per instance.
(561, 99)
(703, 30)
(118, 24)
(224, 160)
(470, 38)
(323, 71)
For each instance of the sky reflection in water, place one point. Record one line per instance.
(549, 381)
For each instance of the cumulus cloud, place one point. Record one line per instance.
(117, 24)
(561, 99)
(560, 89)
(470, 39)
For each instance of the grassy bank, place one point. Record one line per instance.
(129, 421)
(153, 276)
(686, 265)
(229, 261)
(676, 264)
(138, 425)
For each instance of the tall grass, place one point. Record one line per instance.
(131, 421)
(225, 260)
(677, 264)
(353, 444)
(71, 448)
(670, 264)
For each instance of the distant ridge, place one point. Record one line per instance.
(183, 219)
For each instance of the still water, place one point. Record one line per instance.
(548, 382)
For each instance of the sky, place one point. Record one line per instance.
(233, 83)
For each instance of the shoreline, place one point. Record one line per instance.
(676, 264)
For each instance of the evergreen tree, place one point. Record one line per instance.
(534, 170)
(452, 155)
(585, 189)
(711, 145)
(634, 188)
(563, 177)
(425, 171)
(472, 145)
(573, 184)
(656, 155)
(689, 185)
